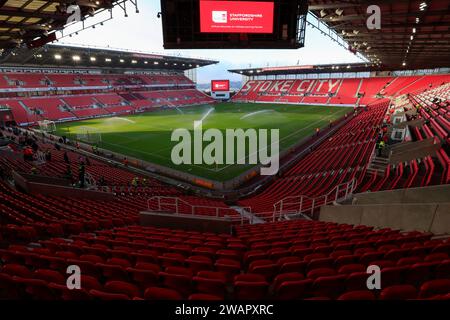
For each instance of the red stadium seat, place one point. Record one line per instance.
(294, 290)
(70, 295)
(179, 282)
(434, 287)
(156, 293)
(216, 287)
(357, 295)
(96, 294)
(399, 292)
(320, 272)
(442, 270)
(89, 283)
(49, 276)
(250, 290)
(329, 286)
(267, 268)
(199, 263)
(16, 270)
(123, 288)
(204, 297)
(351, 268)
(292, 276)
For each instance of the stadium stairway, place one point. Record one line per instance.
(248, 215)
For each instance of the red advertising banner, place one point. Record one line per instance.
(236, 16)
(220, 85)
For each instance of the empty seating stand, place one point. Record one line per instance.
(286, 260)
(86, 98)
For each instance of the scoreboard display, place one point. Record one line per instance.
(220, 89)
(234, 24)
(220, 85)
(236, 17)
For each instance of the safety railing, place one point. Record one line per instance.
(305, 205)
(176, 205)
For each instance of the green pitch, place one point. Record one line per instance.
(148, 136)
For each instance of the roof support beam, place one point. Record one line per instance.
(384, 16)
(363, 27)
(316, 7)
(6, 11)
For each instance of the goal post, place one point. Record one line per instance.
(89, 135)
(47, 126)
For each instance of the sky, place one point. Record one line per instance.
(143, 31)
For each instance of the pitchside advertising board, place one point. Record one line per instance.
(236, 16)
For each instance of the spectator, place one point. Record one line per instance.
(82, 175)
(378, 148)
(317, 131)
(66, 157)
(34, 171)
(48, 156)
(382, 145)
(68, 173)
(135, 182)
(102, 181)
(35, 146)
(57, 147)
(125, 162)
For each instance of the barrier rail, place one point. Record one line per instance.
(298, 205)
(176, 205)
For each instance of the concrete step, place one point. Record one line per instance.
(244, 213)
(380, 160)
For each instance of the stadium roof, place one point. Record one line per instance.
(414, 34)
(309, 69)
(34, 21)
(80, 57)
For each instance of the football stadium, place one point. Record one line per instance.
(133, 175)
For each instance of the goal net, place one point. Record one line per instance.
(89, 135)
(47, 126)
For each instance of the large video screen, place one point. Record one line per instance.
(234, 24)
(236, 16)
(220, 85)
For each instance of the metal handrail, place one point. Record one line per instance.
(282, 207)
(162, 202)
